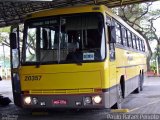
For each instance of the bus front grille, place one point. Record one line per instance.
(62, 91)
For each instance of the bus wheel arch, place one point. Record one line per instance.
(120, 93)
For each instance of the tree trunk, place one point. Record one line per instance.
(148, 52)
(149, 55)
(148, 63)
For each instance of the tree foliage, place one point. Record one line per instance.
(5, 29)
(141, 17)
(4, 39)
(4, 35)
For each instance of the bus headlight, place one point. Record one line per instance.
(97, 99)
(87, 100)
(27, 100)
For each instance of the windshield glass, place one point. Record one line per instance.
(65, 39)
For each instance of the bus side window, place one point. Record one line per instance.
(118, 33)
(134, 41)
(143, 46)
(108, 20)
(129, 38)
(137, 42)
(140, 44)
(124, 37)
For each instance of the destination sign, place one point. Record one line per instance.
(44, 22)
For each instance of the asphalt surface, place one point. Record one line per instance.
(145, 106)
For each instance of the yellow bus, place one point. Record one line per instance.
(77, 57)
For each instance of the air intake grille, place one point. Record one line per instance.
(67, 91)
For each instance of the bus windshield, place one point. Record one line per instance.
(73, 38)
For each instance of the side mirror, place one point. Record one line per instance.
(13, 40)
(0, 78)
(112, 34)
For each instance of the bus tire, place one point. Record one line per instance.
(118, 104)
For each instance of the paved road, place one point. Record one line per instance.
(146, 102)
(6, 88)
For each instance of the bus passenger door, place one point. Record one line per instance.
(15, 63)
(112, 63)
(112, 73)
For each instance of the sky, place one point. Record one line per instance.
(157, 26)
(156, 5)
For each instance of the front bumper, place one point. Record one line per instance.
(66, 101)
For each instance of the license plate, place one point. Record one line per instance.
(59, 102)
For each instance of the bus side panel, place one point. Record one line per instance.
(129, 65)
(126, 69)
(113, 82)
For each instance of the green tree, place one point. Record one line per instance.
(141, 17)
(4, 36)
(5, 29)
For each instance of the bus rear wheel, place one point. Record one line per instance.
(137, 90)
(141, 81)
